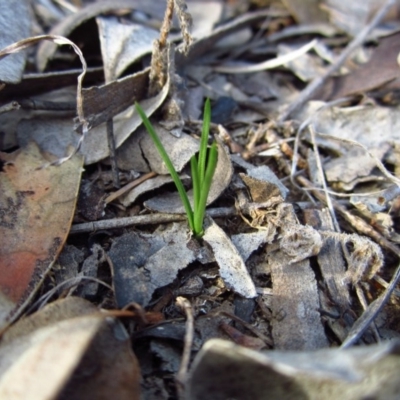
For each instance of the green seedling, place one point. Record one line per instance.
(202, 169)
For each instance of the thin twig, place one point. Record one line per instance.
(364, 305)
(307, 93)
(268, 341)
(148, 219)
(322, 178)
(113, 156)
(181, 376)
(129, 186)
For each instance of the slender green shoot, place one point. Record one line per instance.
(201, 201)
(202, 169)
(204, 140)
(169, 165)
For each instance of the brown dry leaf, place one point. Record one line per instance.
(306, 12)
(46, 355)
(381, 69)
(37, 206)
(100, 103)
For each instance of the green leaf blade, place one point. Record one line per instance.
(169, 165)
(205, 189)
(204, 140)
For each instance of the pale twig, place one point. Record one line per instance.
(364, 305)
(310, 89)
(270, 64)
(322, 178)
(129, 186)
(181, 376)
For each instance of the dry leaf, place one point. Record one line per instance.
(123, 44)
(65, 27)
(37, 206)
(222, 370)
(143, 263)
(306, 12)
(231, 266)
(46, 355)
(382, 68)
(15, 25)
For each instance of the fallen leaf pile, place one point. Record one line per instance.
(292, 292)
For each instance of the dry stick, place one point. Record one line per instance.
(166, 24)
(113, 156)
(129, 186)
(146, 220)
(306, 94)
(249, 327)
(181, 376)
(364, 305)
(159, 54)
(322, 178)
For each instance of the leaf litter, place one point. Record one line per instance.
(276, 269)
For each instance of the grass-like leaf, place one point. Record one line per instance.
(204, 190)
(204, 140)
(202, 169)
(169, 165)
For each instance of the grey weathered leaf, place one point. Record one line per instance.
(144, 263)
(223, 370)
(74, 336)
(15, 24)
(122, 44)
(232, 268)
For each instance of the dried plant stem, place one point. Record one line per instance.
(148, 219)
(113, 157)
(306, 94)
(129, 186)
(166, 24)
(186, 307)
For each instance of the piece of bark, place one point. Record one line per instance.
(297, 322)
(295, 303)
